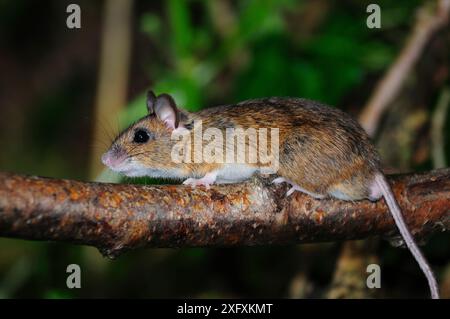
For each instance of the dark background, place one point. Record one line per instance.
(206, 53)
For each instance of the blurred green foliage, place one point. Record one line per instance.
(262, 50)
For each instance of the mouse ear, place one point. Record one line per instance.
(151, 101)
(166, 110)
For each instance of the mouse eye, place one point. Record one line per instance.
(141, 136)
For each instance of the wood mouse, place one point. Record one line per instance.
(322, 152)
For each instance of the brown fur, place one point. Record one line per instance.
(322, 149)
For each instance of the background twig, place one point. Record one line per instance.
(427, 23)
(437, 129)
(113, 73)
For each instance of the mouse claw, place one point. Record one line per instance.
(191, 182)
(290, 191)
(206, 181)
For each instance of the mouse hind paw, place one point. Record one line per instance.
(302, 190)
(280, 180)
(295, 187)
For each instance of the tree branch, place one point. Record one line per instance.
(119, 217)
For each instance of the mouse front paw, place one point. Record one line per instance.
(206, 181)
(194, 182)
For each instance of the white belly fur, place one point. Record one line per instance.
(233, 173)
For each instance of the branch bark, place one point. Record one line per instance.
(118, 217)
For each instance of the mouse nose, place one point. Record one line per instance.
(112, 158)
(106, 159)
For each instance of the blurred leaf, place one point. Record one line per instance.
(181, 31)
(260, 17)
(150, 24)
(15, 277)
(377, 56)
(58, 294)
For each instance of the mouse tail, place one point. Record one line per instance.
(406, 234)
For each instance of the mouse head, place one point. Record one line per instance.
(144, 148)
